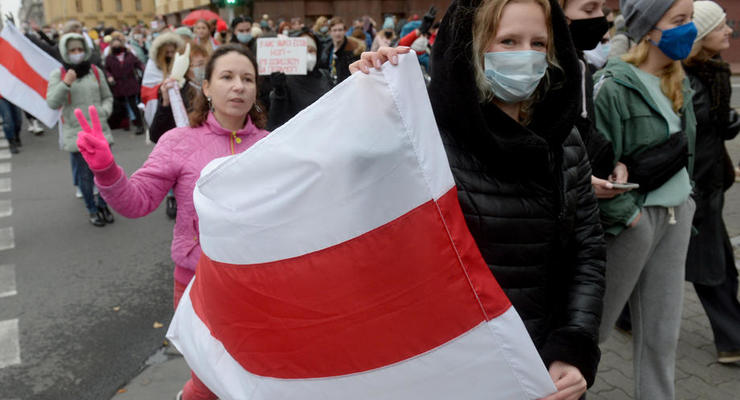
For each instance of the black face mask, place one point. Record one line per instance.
(117, 50)
(169, 59)
(587, 32)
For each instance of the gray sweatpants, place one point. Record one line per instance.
(646, 266)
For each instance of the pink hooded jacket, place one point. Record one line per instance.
(175, 162)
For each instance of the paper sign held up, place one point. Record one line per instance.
(287, 55)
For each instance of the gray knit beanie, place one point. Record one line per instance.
(640, 16)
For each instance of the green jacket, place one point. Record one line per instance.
(83, 93)
(627, 115)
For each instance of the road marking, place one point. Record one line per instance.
(7, 238)
(10, 350)
(7, 280)
(6, 208)
(5, 168)
(5, 185)
(4, 143)
(4, 154)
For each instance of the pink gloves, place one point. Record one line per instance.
(95, 149)
(92, 143)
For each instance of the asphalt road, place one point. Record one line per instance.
(70, 278)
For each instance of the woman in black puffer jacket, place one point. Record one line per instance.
(524, 182)
(710, 263)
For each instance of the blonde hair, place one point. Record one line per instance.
(485, 25)
(671, 77)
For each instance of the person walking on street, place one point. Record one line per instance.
(587, 25)
(225, 120)
(291, 94)
(202, 32)
(80, 84)
(342, 52)
(521, 170)
(121, 67)
(710, 263)
(12, 122)
(643, 105)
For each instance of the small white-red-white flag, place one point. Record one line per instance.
(337, 264)
(150, 82)
(24, 74)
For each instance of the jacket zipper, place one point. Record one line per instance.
(557, 171)
(233, 141)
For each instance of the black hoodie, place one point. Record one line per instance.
(526, 192)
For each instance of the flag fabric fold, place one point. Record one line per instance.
(24, 74)
(337, 263)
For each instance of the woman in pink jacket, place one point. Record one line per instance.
(225, 120)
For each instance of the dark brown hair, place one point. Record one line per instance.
(200, 105)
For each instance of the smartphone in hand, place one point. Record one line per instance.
(627, 186)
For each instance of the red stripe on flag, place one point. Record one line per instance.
(391, 294)
(13, 61)
(148, 93)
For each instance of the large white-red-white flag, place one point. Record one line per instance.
(24, 74)
(337, 264)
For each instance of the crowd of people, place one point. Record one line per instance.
(587, 146)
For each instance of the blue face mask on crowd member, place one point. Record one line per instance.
(677, 42)
(514, 75)
(244, 37)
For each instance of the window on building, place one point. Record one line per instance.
(138, 5)
(119, 5)
(100, 5)
(78, 5)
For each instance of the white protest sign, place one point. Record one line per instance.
(287, 55)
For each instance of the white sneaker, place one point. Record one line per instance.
(78, 192)
(35, 127)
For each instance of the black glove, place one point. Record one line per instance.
(278, 83)
(277, 79)
(428, 20)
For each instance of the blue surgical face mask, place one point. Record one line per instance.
(244, 37)
(324, 29)
(514, 75)
(677, 42)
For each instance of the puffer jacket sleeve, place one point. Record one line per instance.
(142, 193)
(57, 91)
(622, 209)
(575, 341)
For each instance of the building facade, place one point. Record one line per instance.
(112, 13)
(32, 10)
(347, 9)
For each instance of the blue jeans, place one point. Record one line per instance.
(12, 119)
(85, 182)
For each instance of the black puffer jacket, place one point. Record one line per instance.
(526, 193)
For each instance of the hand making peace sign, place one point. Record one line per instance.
(91, 142)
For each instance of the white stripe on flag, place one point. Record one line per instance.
(455, 370)
(38, 59)
(383, 168)
(17, 92)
